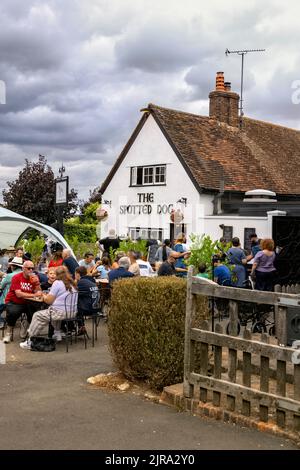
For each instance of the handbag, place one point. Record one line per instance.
(42, 344)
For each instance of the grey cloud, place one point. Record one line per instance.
(174, 47)
(77, 73)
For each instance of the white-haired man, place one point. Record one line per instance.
(121, 271)
(69, 261)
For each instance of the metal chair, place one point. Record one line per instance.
(94, 312)
(71, 319)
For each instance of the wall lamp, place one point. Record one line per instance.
(183, 200)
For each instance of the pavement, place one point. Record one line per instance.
(46, 404)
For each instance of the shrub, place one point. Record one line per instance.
(34, 247)
(202, 250)
(84, 232)
(134, 245)
(146, 328)
(80, 248)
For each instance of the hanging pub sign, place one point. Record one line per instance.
(176, 216)
(62, 190)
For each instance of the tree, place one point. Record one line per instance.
(33, 193)
(95, 195)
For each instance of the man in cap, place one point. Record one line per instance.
(24, 286)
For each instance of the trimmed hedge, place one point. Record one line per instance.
(146, 328)
(83, 232)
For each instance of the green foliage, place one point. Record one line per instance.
(84, 232)
(89, 214)
(203, 248)
(32, 194)
(34, 246)
(133, 245)
(146, 328)
(80, 248)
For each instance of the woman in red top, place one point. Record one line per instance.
(56, 259)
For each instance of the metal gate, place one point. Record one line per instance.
(286, 233)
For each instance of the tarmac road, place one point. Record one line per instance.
(45, 403)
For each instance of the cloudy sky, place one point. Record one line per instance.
(77, 72)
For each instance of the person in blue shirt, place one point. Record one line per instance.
(179, 247)
(88, 296)
(236, 257)
(255, 246)
(121, 271)
(222, 274)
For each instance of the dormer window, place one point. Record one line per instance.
(148, 175)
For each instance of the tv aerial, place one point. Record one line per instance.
(242, 53)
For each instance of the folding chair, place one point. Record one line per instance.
(94, 313)
(71, 318)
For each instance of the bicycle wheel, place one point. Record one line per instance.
(259, 327)
(272, 330)
(238, 328)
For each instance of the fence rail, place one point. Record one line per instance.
(245, 375)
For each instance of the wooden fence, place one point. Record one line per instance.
(245, 375)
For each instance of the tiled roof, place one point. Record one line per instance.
(262, 155)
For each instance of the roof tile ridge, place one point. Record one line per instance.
(155, 106)
(260, 121)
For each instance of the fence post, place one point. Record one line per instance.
(281, 326)
(233, 318)
(188, 350)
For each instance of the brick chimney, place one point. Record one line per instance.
(224, 103)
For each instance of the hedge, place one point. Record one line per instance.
(146, 328)
(83, 232)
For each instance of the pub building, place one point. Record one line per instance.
(219, 175)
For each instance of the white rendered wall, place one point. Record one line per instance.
(212, 226)
(151, 148)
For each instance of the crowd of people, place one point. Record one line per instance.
(41, 292)
(259, 264)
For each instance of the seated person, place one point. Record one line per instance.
(222, 274)
(56, 256)
(167, 268)
(61, 302)
(69, 261)
(121, 271)
(134, 266)
(51, 277)
(202, 271)
(16, 267)
(145, 267)
(88, 262)
(102, 268)
(88, 296)
(24, 286)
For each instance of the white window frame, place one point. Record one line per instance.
(155, 176)
(134, 232)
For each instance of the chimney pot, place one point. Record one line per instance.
(220, 81)
(224, 103)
